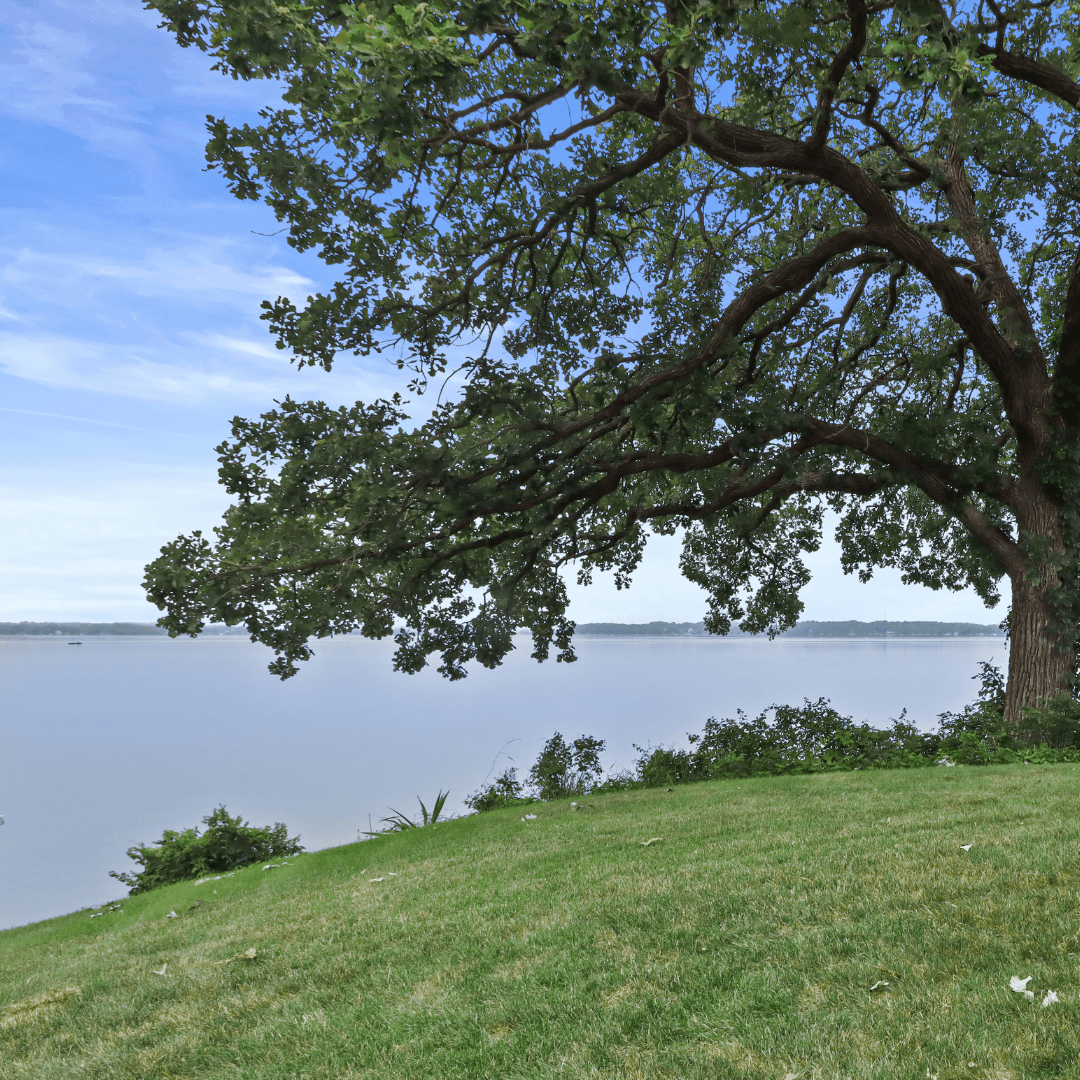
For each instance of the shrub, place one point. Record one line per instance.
(506, 791)
(983, 721)
(1057, 723)
(225, 844)
(563, 770)
(812, 737)
(620, 781)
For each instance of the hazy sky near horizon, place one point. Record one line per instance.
(130, 284)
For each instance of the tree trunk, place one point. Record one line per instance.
(1041, 660)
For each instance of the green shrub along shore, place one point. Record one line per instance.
(811, 906)
(810, 738)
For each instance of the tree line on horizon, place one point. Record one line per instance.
(94, 629)
(808, 629)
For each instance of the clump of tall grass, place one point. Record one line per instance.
(398, 822)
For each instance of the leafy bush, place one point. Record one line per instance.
(812, 737)
(225, 844)
(620, 781)
(506, 791)
(563, 770)
(983, 720)
(816, 738)
(1056, 724)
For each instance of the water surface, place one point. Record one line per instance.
(106, 744)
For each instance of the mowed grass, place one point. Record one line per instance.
(744, 943)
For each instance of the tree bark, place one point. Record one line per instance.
(1041, 658)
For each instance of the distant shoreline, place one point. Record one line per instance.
(809, 629)
(92, 629)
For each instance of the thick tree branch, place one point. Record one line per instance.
(792, 276)
(1000, 285)
(1033, 73)
(837, 70)
(933, 482)
(744, 147)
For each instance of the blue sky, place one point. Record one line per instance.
(130, 283)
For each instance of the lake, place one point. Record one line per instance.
(106, 744)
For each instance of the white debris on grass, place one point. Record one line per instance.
(946, 763)
(1050, 999)
(529, 817)
(965, 847)
(162, 971)
(1019, 986)
(203, 881)
(880, 985)
(172, 915)
(651, 840)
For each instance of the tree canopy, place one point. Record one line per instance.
(715, 266)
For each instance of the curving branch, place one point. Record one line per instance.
(851, 51)
(1029, 71)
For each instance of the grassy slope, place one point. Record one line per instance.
(743, 944)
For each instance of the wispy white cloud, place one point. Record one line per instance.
(82, 420)
(48, 78)
(180, 375)
(245, 347)
(219, 269)
(103, 74)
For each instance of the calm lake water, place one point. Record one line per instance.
(106, 744)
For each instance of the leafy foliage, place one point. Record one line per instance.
(814, 737)
(225, 844)
(1056, 724)
(507, 790)
(715, 267)
(810, 738)
(564, 769)
(982, 719)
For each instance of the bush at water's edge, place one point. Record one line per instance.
(810, 738)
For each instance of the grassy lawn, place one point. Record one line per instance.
(744, 943)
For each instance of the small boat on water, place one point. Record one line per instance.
(74, 642)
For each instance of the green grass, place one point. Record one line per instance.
(743, 944)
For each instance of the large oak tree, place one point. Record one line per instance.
(717, 265)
